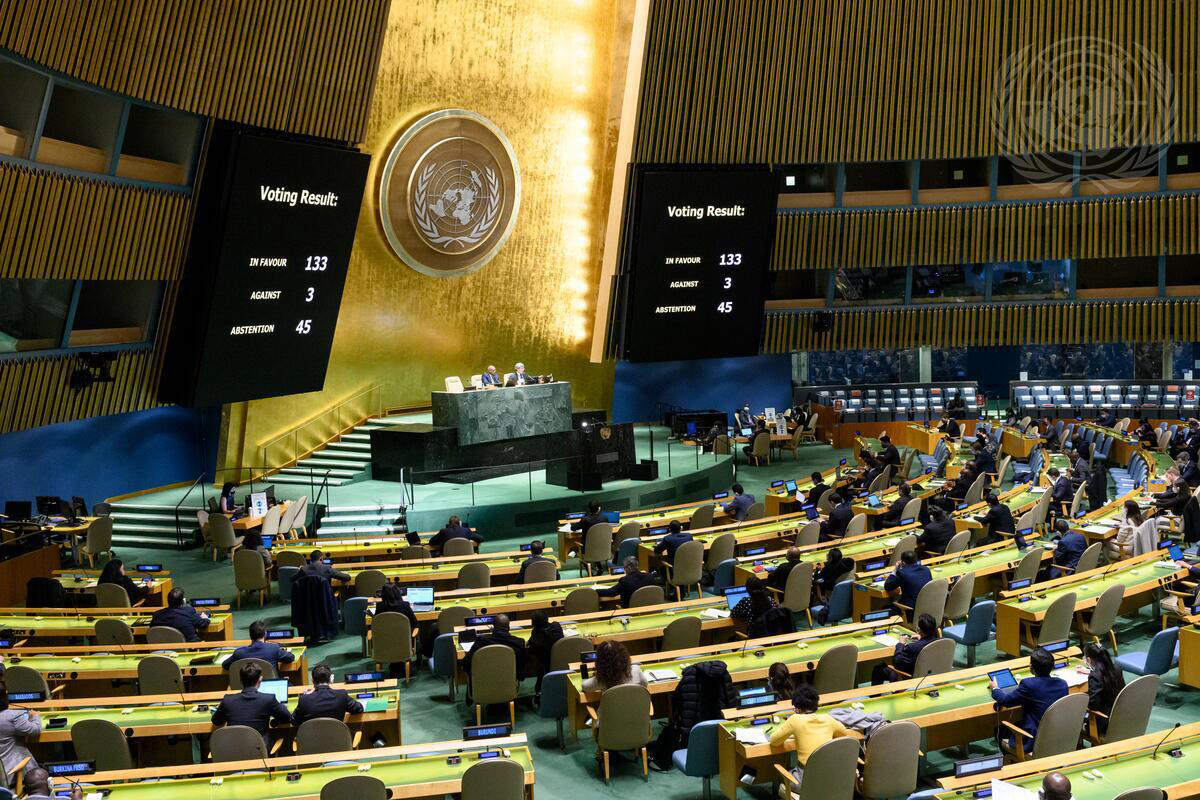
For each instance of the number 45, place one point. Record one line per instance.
(304, 326)
(726, 307)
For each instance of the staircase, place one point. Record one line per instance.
(364, 520)
(146, 525)
(346, 458)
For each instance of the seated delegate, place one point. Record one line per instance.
(181, 617)
(323, 701)
(270, 652)
(490, 378)
(1034, 694)
(630, 582)
(252, 708)
(739, 504)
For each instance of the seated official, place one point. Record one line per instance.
(676, 536)
(1174, 499)
(984, 460)
(490, 377)
(1056, 786)
(392, 599)
(37, 786)
(323, 701)
(1050, 437)
(613, 668)
(818, 489)
(270, 652)
(17, 725)
(251, 707)
(872, 469)
(809, 729)
(1136, 536)
(1061, 493)
(951, 427)
(543, 633)
(228, 503)
(519, 377)
(904, 658)
(779, 681)
(895, 512)
(1186, 439)
(937, 533)
(957, 407)
(630, 582)
(1069, 548)
(1187, 470)
(592, 517)
(739, 504)
(1147, 434)
(889, 454)
(1105, 682)
(760, 429)
(1034, 694)
(997, 520)
(757, 602)
(1079, 467)
(836, 565)
(1108, 418)
(181, 617)
(454, 530)
(499, 635)
(536, 548)
(114, 572)
(317, 567)
(778, 577)
(839, 518)
(709, 440)
(743, 418)
(908, 578)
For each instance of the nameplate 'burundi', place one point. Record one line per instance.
(449, 193)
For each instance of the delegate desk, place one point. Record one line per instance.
(341, 548)
(953, 708)
(248, 523)
(1142, 577)
(64, 623)
(517, 601)
(780, 501)
(763, 532)
(1189, 651)
(162, 725)
(416, 770)
(1016, 444)
(865, 547)
(84, 672)
(505, 568)
(749, 661)
(1144, 761)
(1102, 524)
(990, 563)
(570, 541)
(83, 581)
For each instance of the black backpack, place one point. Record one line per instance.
(772, 622)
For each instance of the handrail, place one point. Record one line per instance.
(203, 500)
(340, 427)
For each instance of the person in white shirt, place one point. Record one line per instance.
(1136, 535)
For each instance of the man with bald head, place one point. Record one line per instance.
(778, 577)
(499, 635)
(1056, 786)
(37, 786)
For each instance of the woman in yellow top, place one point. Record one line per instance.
(810, 729)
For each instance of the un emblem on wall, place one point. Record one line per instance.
(449, 193)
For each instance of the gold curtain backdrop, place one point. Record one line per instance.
(987, 325)
(543, 71)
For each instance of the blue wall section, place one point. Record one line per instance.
(106, 456)
(640, 391)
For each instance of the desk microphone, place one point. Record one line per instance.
(262, 752)
(1154, 755)
(918, 686)
(179, 685)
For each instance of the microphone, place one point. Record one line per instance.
(262, 753)
(1154, 755)
(179, 686)
(918, 686)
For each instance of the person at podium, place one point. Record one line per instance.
(491, 377)
(519, 377)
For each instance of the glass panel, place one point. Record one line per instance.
(1117, 273)
(1183, 358)
(1148, 361)
(948, 363)
(1031, 280)
(870, 286)
(114, 312)
(1078, 362)
(956, 283)
(32, 314)
(798, 284)
(862, 366)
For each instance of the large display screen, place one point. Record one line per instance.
(267, 263)
(697, 260)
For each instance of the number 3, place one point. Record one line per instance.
(312, 292)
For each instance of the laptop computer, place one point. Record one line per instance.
(874, 502)
(734, 595)
(420, 598)
(277, 687)
(1004, 678)
(18, 510)
(811, 512)
(747, 431)
(790, 487)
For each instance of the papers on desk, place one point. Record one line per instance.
(661, 675)
(1071, 675)
(466, 646)
(715, 613)
(565, 528)
(1037, 489)
(887, 640)
(1171, 565)
(753, 735)
(1098, 528)
(570, 631)
(1007, 791)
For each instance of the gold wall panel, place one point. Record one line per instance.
(987, 325)
(542, 71)
(304, 66)
(1141, 226)
(820, 81)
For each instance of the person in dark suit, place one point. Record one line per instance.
(1034, 694)
(984, 460)
(1174, 499)
(937, 533)
(1079, 467)
(391, 599)
(270, 652)
(491, 377)
(181, 617)
(1187, 439)
(895, 511)
(500, 635)
(889, 454)
(323, 701)
(839, 518)
(1069, 548)
(997, 520)
(872, 469)
(667, 545)
(904, 657)
(519, 377)
(743, 418)
(114, 572)
(536, 548)
(1187, 470)
(836, 565)
(1050, 437)
(1147, 434)
(954, 492)
(543, 633)
(37, 785)
(454, 530)
(819, 488)
(630, 582)
(1108, 418)
(760, 429)
(908, 578)
(957, 407)
(317, 566)
(592, 517)
(740, 503)
(951, 427)
(1061, 492)
(777, 578)
(252, 708)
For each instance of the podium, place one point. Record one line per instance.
(492, 415)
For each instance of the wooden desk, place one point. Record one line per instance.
(63, 623)
(765, 532)
(780, 501)
(866, 547)
(800, 651)
(1189, 651)
(517, 601)
(441, 572)
(1016, 444)
(961, 712)
(417, 770)
(570, 541)
(15, 571)
(1141, 576)
(83, 581)
(1123, 766)
(247, 523)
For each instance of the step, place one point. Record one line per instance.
(362, 428)
(343, 464)
(381, 508)
(120, 518)
(380, 421)
(163, 529)
(318, 473)
(358, 440)
(345, 454)
(338, 530)
(353, 518)
(153, 542)
(304, 480)
(122, 506)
